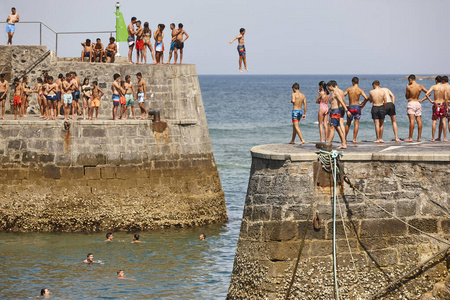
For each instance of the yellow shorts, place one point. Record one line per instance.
(96, 102)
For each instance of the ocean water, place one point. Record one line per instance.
(242, 111)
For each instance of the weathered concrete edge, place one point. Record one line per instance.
(257, 152)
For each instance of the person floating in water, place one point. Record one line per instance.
(202, 237)
(45, 293)
(90, 260)
(121, 275)
(241, 49)
(109, 237)
(299, 101)
(12, 19)
(136, 239)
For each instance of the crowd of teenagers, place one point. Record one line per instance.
(74, 96)
(333, 108)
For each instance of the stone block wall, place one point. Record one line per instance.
(110, 175)
(283, 193)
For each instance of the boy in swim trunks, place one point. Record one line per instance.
(130, 39)
(67, 86)
(12, 19)
(158, 35)
(130, 94)
(172, 43)
(298, 100)
(59, 94)
(241, 49)
(18, 91)
(447, 98)
(139, 42)
(142, 95)
(179, 43)
(439, 108)
(97, 94)
(98, 50)
(111, 50)
(414, 107)
(87, 50)
(354, 93)
(4, 87)
(379, 99)
(390, 111)
(51, 90)
(117, 91)
(336, 99)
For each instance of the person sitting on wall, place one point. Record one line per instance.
(98, 51)
(110, 50)
(87, 50)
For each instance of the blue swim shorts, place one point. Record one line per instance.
(116, 100)
(335, 117)
(297, 115)
(241, 50)
(52, 97)
(10, 28)
(172, 46)
(67, 98)
(76, 95)
(355, 110)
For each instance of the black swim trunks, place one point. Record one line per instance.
(108, 53)
(342, 111)
(390, 109)
(378, 112)
(179, 45)
(2, 96)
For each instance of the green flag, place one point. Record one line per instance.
(121, 28)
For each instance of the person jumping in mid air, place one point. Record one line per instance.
(241, 49)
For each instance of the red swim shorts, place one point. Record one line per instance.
(17, 100)
(139, 44)
(123, 101)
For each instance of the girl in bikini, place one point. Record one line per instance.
(87, 97)
(322, 117)
(146, 38)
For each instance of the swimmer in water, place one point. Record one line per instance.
(45, 292)
(136, 239)
(121, 275)
(90, 260)
(202, 237)
(109, 237)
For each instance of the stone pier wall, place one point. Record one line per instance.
(110, 175)
(283, 189)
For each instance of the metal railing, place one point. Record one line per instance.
(41, 24)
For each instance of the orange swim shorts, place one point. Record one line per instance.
(96, 102)
(123, 101)
(17, 100)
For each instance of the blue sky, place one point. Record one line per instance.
(282, 37)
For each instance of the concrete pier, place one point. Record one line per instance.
(288, 187)
(109, 175)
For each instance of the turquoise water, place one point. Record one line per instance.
(242, 111)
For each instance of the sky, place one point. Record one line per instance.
(282, 37)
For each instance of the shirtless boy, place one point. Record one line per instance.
(12, 19)
(336, 99)
(298, 100)
(117, 92)
(158, 35)
(241, 49)
(414, 107)
(97, 94)
(390, 111)
(136, 239)
(58, 94)
(87, 50)
(51, 90)
(172, 43)
(130, 39)
(378, 99)
(179, 43)
(75, 81)
(354, 107)
(439, 108)
(4, 87)
(111, 49)
(139, 42)
(142, 95)
(98, 50)
(25, 95)
(130, 95)
(17, 100)
(109, 237)
(447, 98)
(67, 86)
(90, 260)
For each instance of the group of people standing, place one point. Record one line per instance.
(140, 37)
(331, 118)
